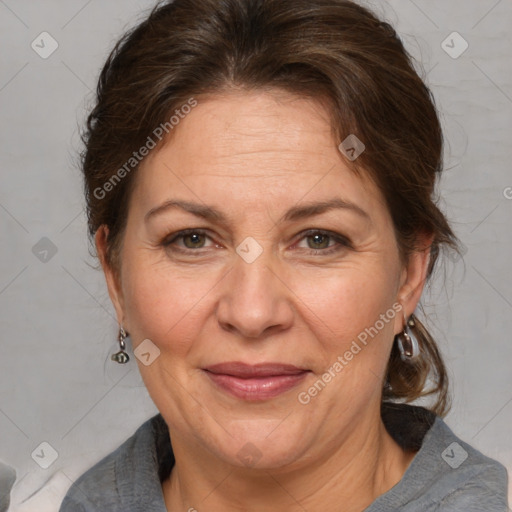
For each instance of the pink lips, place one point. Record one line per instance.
(255, 382)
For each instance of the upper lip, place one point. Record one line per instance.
(243, 370)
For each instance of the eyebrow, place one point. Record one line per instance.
(293, 214)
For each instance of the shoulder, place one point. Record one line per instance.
(120, 479)
(447, 474)
(467, 479)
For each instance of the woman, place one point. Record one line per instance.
(259, 178)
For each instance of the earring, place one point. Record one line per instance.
(408, 342)
(121, 357)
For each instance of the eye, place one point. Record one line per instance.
(191, 239)
(323, 242)
(318, 242)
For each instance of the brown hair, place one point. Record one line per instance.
(334, 51)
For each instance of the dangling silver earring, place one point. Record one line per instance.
(121, 357)
(408, 342)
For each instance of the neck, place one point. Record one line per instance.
(364, 465)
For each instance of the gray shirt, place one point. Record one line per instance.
(7, 479)
(446, 474)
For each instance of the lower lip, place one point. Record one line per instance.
(260, 388)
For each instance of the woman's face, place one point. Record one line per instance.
(265, 274)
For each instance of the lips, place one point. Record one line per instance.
(255, 382)
(245, 371)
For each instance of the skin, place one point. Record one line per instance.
(253, 156)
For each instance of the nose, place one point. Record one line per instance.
(255, 299)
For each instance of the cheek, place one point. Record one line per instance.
(165, 305)
(352, 321)
(343, 312)
(349, 300)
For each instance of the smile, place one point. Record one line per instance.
(253, 383)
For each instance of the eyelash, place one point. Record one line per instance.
(342, 242)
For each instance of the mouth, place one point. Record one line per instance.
(255, 382)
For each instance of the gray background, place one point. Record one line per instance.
(57, 384)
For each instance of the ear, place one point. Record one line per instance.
(112, 276)
(413, 278)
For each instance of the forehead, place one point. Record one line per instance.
(249, 148)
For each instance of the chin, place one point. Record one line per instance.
(261, 444)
